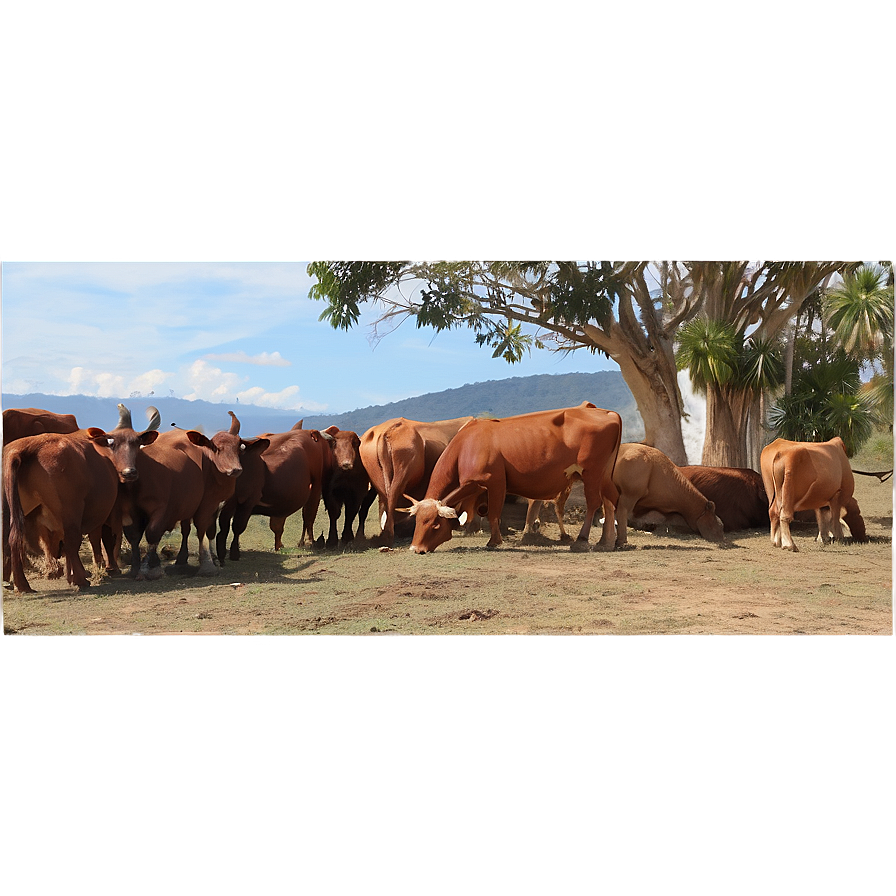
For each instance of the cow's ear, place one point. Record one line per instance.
(315, 435)
(462, 519)
(148, 437)
(332, 430)
(100, 437)
(197, 438)
(257, 445)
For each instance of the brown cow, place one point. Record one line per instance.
(346, 483)
(648, 481)
(810, 476)
(284, 478)
(737, 492)
(532, 455)
(21, 422)
(184, 476)
(399, 456)
(62, 486)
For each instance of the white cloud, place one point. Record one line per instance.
(265, 359)
(210, 383)
(99, 383)
(149, 381)
(287, 398)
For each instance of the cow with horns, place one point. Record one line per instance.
(57, 487)
(532, 455)
(184, 477)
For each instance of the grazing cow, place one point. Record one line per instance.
(21, 422)
(532, 455)
(648, 481)
(809, 476)
(399, 456)
(346, 483)
(737, 492)
(184, 477)
(59, 487)
(285, 477)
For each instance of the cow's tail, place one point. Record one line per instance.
(384, 456)
(14, 515)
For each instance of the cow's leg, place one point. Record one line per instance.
(497, 492)
(184, 552)
(352, 507)
(533, 522)
(593, 502)
(309, 514)
(151, 565)
(240, 522)
(836, 516)
(333, 512)
(608, 533)
(365, 509)
(228, 511)
(111, 541)
(823, 519)
(623, 509)
(134, 532)
(277, 523)
(72, 539)
(774, 519)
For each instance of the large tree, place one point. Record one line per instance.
(753, 304)
(615, 309)
(629, 311)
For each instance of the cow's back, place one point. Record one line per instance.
(21, 422)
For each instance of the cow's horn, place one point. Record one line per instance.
(234, 424)
(124, 417)
(155, 418)
(412, 510)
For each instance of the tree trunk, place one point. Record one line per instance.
(727, 418)
(659, 411)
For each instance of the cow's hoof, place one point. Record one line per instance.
(604, 548)
(579, 546)
(207, 571)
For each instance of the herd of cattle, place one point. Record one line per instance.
(61, 482)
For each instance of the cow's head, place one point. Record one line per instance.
(435, 523)
(345, 446)
(709, 525)
(125, 444)
(226, 450)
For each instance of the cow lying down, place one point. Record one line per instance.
(648, 482)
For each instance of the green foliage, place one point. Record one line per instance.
(860, 311)
(344, 285)
(826, 402)
(708, 350)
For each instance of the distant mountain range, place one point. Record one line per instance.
(495, 398)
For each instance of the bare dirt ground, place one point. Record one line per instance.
(666, 583)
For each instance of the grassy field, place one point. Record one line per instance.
(666, 583)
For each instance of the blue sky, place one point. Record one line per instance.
(221, 331)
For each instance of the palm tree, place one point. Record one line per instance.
(860, 312)
(741, 370)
